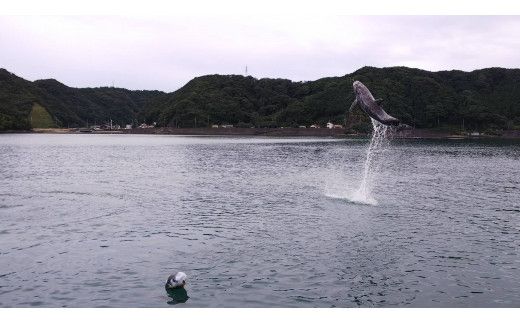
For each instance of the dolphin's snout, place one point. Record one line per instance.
(357, 86)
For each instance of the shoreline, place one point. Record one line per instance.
(274, 132)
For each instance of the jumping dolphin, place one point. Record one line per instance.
(372, 107)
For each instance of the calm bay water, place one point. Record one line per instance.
(102, 220)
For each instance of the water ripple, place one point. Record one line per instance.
(101, 221)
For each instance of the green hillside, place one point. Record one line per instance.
(68, 107)
(40, 118)
(480, 100)
(483, 100)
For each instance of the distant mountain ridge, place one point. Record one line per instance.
(482, 100)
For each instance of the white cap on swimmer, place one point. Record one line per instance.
(177, 280)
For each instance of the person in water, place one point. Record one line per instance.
(175, 288)
(176, 281)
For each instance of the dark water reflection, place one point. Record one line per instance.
(102, 220)
(177, 295)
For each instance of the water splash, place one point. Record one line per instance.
(363, 193)
(376, 148)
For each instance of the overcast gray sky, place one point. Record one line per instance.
(166, 52)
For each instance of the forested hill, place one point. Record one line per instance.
(67, 106)
(484, 100)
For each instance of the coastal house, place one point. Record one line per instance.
(145, 126)
(330, 125)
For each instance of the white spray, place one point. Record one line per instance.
(376, 148)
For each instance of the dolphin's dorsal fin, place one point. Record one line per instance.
(353, 105)
(379, 101)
